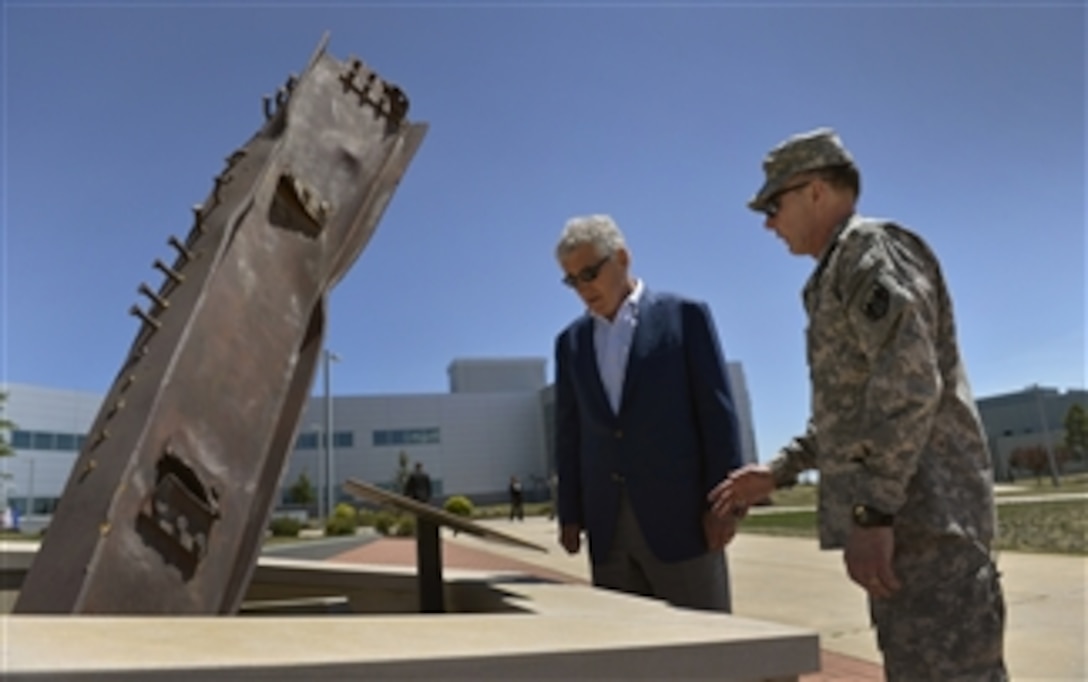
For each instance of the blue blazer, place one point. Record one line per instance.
(674, 439)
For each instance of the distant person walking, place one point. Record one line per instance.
(517, 507)
(553, 488)
(418, 484)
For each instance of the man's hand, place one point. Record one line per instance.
(868, 557)
(719, 532)
(743, 488)
(570, 536)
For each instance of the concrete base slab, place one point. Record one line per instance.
(506, 627)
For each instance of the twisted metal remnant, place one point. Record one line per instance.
(166, 506)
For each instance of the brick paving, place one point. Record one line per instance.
(834, 667)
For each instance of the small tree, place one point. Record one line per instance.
(302, 491)
(6, 425)
(401, 475)
(1076, 430)
(1035, 459)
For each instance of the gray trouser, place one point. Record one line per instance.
(699, 583)
(947, 623)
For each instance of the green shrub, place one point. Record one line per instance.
(285, 527)
(339, 525)
(384, 521)
(344, 520)
(406, 526)
(345, 511)
(459, 505)
(367, 517)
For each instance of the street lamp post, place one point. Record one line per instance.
(319, 467)
(329, 357)
(1046, 436)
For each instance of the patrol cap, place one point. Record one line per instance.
(815, 149)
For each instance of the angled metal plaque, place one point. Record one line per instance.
(429, 521)
(439, 517)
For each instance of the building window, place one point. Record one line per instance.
(426, 436)
(311, 440)
(46, 440)
(45, 505)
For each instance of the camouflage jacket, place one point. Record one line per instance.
(893, 424)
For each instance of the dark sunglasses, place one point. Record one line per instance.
(587, 274)
(772, 205)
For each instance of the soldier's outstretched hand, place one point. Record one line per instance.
(744, 487)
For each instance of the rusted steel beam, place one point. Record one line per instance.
(167, 503)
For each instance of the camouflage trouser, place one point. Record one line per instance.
(947, 623)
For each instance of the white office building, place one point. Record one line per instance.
(1032, 417)
(495, 422)
(50, 428)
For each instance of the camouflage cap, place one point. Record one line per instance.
(803, 152)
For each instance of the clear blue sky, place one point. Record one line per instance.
(968, 123)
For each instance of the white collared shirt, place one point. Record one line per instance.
(612, 341)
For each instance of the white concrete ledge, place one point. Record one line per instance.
(521, 630)
(599, 639)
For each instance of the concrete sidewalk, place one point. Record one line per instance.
(790, 581)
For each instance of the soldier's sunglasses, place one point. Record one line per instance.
(586, 274)
(772, 205)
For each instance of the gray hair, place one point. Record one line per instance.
(599, 230)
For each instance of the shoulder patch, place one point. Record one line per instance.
(876, 305)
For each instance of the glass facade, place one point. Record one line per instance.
(73, 442)
(46, 440)
(426, 436)
(37, 505)
(309, 440)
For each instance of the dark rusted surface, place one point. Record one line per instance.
(167, 504)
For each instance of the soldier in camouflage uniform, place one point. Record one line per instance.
(906, 488)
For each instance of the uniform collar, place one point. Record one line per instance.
(829, 248)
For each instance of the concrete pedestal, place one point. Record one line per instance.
(497, 627)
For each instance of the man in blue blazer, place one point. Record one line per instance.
(645, 428)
